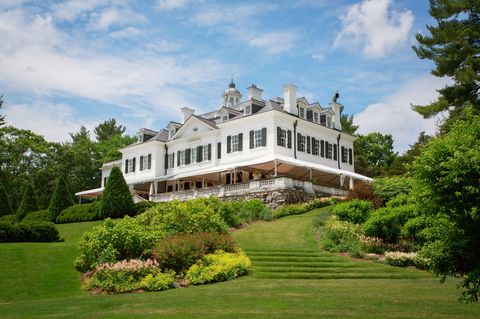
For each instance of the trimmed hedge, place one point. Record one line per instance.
(28, 203)
(39, 215)
(61, 199)
(79, 213)
(28, 231)
(116, 200)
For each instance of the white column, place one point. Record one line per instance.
(275, 163)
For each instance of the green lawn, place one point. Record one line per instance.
(38, 280)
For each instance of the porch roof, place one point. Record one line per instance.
(91, 192)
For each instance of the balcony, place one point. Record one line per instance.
(273, 184)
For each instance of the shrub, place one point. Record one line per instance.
(400, 259)
(318, 203)
(290, 209)
(355, 211)
(180, 251)
(364, 191)
(340, 236)
(193, 216)
(255, 209)
(386, 223)
(61, 199)
(116, 240)
(414, 229)
(230, 213)
(79, 213)
(28, 203)
(5, 206)
(389, 187)
(129, 275)
(220, 266)
(9, 218)
(28, 231)
(116, 200)
(142, 206)
(39, 215)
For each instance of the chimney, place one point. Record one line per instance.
(254, 93)
(336, 108)
(290, 99)
(186, 113)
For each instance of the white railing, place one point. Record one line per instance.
(279, 183)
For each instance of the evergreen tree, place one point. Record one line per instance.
(61, 199)
(5, 207)
(454, 46)
(347, 123)
(108, 129)
(116, 200)
(28, 203)
(2, 117)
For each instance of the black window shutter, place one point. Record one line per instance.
(178, 158)
(240, 142)
(289, 139)
(188, 156)
(200, 153)
(308, 144)
(350, 156)
(335, 152)
(343, 154)
(252, 142)
(133, 166)
(126, 166)
(279, 133)
(219, 150)
(165, 164)
(209, 151)
(299, 137)
(264, 136)
(313, 146)
(173, 160)
(141, 163)
(322, 148)
(149, 161)
(229, 144)
(326, 149)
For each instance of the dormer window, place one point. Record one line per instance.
(172, 132)
(225, 117)
(248, 110)
(329, 121)
(315, 117)
(301, 112)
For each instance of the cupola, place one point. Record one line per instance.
(231, 96)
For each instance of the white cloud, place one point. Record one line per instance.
(318, 56)
(74, 9)
(394, 115)
(128, 32)
(53, 121)
(229, 14)
(373, 25)
(114, 17)
(274, 42)
(166, 5)
(36, 57)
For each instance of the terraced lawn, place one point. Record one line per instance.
(292, 278)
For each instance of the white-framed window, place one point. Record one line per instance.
(171, 160)
(181, 158)
(329, 150)
(145, 162)
(258, 138)
(315, 117)
(172, 131)
(315, 146)
(329, 121)
(283, 138)
(193, 155)
(248, 110)
(301, 112)
(225, 117)
(131, 165)
(234, 143)
(205, 153)
(303, 142)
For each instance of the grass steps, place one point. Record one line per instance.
(309, 264)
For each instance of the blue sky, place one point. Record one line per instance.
(69, 63)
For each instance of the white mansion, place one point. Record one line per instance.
(244, 147)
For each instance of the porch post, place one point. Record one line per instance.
(234, 175)
(275, 163)
(310, 174)
(155, 186)
(351, 183)
(203, 182)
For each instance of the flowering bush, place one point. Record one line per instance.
(129, 275)
(220, 266)
(340, 236)
(400, 259)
